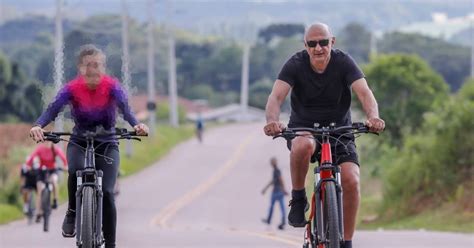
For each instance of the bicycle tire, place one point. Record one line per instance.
(31, 208)
(87, 222)
(331, 218)
(46, 207)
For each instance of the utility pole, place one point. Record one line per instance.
(125, 65)
(472, 46)
(172, 87)
(58, 59)
(244, 91)
(151, 105)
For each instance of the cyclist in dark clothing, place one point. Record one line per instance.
(94, 98)
(278, 194)
(29, 177)
(321, 80)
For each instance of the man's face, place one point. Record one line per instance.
(92, 68)
(319, 43)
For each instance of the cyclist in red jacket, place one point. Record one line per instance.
(46, 154)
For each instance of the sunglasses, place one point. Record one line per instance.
(314, 43)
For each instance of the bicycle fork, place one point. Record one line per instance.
(92, 178)
(326, 170)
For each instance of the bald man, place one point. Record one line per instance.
(321, 80)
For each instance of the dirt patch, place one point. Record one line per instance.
(13, 135)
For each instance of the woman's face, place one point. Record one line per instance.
(92, 68)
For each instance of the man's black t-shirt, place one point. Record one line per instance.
(320, 97)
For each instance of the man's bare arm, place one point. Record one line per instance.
(272, 110)
(369, 104)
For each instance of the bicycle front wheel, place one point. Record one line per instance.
(331, 218)
(87, 222)
(46, 206)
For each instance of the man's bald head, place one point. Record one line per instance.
(318, 28)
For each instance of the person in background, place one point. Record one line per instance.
(278, 194)
(46, 154)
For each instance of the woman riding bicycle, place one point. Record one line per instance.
(94, 98)
(321, 80)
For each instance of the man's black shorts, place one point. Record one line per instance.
(342, 151)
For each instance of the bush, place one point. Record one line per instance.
(435, 162)
(163, 112)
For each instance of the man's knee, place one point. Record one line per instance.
(350, 177)
(302, 146)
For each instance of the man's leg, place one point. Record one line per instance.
(351, 196)
(301, 150)
(282, 208)
(53, 179)
(270, 210)
(39, 188)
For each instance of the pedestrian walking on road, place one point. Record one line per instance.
(278, 194)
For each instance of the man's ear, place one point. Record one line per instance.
(333, 40)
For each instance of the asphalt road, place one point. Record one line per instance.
(207, 196)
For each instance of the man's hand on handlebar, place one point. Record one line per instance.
(375, 124)
(36, 133)
(273, 128)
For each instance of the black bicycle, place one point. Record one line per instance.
(325, 227)
(89, 193)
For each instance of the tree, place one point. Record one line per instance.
(435, 164)
(450, 60)
(13, 88)
(285, 30)
(405, 88)
(355, 40)
(259, 92)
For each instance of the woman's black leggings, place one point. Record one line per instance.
(75, 158)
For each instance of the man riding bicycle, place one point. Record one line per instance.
(94, 98)
(321, 80)
(47, 154)
(28, 179)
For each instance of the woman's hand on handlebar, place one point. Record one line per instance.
(375, 124)
(141, 129)
(36, 133)
(274, 128)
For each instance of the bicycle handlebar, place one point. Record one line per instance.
(356, 127)
(119, 133)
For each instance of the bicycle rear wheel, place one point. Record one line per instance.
(331, 216)
(88, 220)
(46, 206)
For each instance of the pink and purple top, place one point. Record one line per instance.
(90, 108)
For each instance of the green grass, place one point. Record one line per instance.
(445, 218)
(9, 213)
